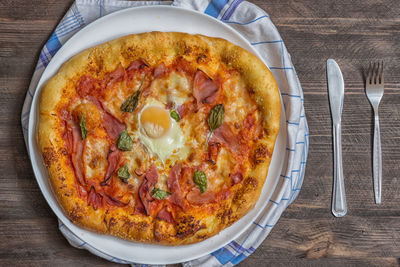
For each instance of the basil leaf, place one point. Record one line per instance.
(216, 117)
(125, 141)
(159, 194)
(175, 115)
(131, 102)
(200, 179)
(123, 173)
(83, 127)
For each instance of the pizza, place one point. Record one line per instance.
(159, 137)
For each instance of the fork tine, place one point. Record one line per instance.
(381, 73)
(375, 73)
(378, 73)
(369, 74)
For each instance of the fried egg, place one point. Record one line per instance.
(159, 133)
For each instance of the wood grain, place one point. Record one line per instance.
(352, 32)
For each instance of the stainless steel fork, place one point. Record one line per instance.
(374, 89)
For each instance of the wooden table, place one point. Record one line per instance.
(352, 32)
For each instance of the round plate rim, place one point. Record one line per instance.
(57, 209)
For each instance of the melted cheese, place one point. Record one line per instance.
(133, 158)
(95, 157)
(219, 174)
(175, 88)
(238, 100)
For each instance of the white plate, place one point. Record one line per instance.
(136, 20)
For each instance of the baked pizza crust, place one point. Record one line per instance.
(155, 48)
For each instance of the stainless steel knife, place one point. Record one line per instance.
(336, 93)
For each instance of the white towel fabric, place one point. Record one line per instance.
(255, 25)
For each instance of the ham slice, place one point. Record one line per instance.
(117, 75)
(237, 177)
(185, 108)
(139, 208)
(181, 111)
(145, 188)
(86, 85)
(224, 135)
(170, 105)
(136, 65)
(94, 199)
(82, 193)
(165, 215)
(160, 70)
(77, 152)
(113, 159)
(69, 139)
(197, 198)
(174, 186)
(135, 68)
(111, 124)
(113, 201)
(205, 90)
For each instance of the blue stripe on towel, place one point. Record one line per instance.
(214, 7)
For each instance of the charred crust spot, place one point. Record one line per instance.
(162, 232)
(251, 90)
(187, 50)
(250, 184)
(225, 216)
(202, 58)
(137, 226)
(187, 227)
(76, 214)
(260, 154)
(49, 156)
(110, 223)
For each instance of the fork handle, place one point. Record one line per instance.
(339, 205)
(377, 161)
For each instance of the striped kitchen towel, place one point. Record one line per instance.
(255, 25)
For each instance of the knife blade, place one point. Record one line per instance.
(336, 95)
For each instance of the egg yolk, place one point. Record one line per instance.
(155, 121)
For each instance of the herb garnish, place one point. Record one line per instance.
(123, 173)
(125, 141)
(215, 118)
(82, 124)
(159, 193)
(200, 179)
(131, 102)
(175, 115)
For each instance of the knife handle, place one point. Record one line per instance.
(339, 206)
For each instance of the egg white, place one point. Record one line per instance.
(172, 143)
